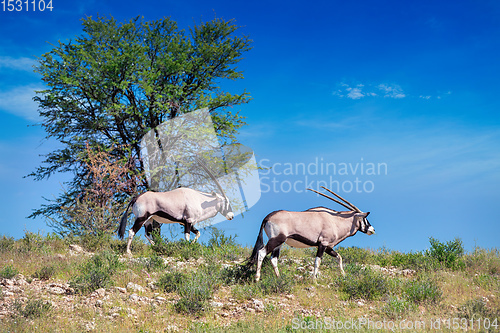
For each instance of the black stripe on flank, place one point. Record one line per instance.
(303, 240)
(169, 217)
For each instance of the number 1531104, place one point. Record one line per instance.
(26, 5)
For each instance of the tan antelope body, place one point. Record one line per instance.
(182, 205)
(317, 227)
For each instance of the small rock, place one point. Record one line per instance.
(57, 291)
(122, 290)
(217, 304)
(134, 298)
(99, 303)
(258, 305)
(361, 303)
(76, 248)
(99, 293)
(160, 299)
(135, 287)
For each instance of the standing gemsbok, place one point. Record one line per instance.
(316, 227)
(182, 205)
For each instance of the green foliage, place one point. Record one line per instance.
(98, 241)
(269, 284)
(171, 281)
(410, 260)
(179, 249)
(8, 272)
(362, 282)
(44, 273)
(154, 262)
(477, 309)
(34, 308)
(483, 260)
(219, 240)
(423, 290)
(355, 255)
(6, 243)
(133, 76)
(197, 288)
(219, 247)
(395, 307)
(96, 272)
(449, 254)
(33, 242)
(238, 274)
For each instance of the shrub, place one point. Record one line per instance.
(448, 254)
(412, 260)
(96, 272)
(171, 281)
(362, 282)
(423, 290)
(8, 272)
(238, 274)
(97, 241)
(33, 242)
(197, 288)
(180, 249)
(6, 243)
(32, 309)
(486, 261)
(397, 307)
(271, 284)
(155, 262)
(44, 273)
(475, 309)
(355, 255)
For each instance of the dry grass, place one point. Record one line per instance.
(236, 303)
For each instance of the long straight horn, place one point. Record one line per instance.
(326, 196)
(207, 170)
(347, 202)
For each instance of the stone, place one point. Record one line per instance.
(258, 305)
(135, 287)
(76, 248)
(216, 304)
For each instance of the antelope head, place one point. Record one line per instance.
(364, 225)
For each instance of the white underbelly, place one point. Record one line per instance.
(294, 243)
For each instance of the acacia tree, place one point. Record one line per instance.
(116, 81)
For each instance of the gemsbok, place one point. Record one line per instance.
(182, 205)
(319, 227)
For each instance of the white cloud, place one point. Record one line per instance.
(355, 93)
(424, 97)
(20, 64)
(362, 90)
(19, 101)
(394, 91)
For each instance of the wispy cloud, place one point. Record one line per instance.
(392, 91)
(361, 91)
(439, 96)
(20, 64)
(19, 101)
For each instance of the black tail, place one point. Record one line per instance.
(123, 221)
(259, 244)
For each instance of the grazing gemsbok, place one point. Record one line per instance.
(316, 227)
(182, 205)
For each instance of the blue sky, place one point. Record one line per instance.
(409, 85)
